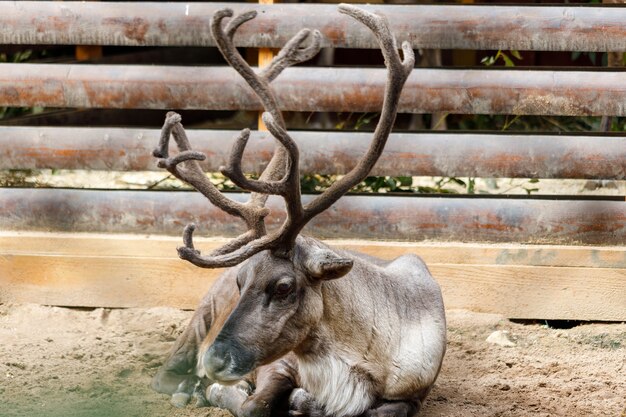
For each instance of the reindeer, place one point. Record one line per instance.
(358, 335)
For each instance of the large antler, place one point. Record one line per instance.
(398, 71)
(185, 166)
(281, 177)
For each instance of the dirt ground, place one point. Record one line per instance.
(71, 362)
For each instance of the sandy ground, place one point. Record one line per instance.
(68, 362)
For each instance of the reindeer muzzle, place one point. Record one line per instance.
(227, 361)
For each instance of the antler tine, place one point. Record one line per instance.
(233, 169)
(248, 244)
(398, 72)
(224, 41)
(260, 85)
(191, 173)
(288, 187)
(293, 53)
(286, 236)
(233, 253)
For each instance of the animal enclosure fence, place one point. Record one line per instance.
(550, 258)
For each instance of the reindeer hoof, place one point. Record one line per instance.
(199, 391)
(229, 397)
(180, 399)
(301, 403)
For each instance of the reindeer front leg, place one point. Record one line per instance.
(274, 383)
(302, 404)
(394, 409)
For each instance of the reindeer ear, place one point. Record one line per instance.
(325, 264)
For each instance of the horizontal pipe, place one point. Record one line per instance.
(406, 154)
(570, 93)
(425, 26)
(359, 217)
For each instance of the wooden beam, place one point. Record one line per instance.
(393, 218)
(427, 154)
(134, 271)
(571, 93)
(164, 247)
(88, 52)
(425, 26)
(264, 59)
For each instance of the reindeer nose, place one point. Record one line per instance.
(217, 358)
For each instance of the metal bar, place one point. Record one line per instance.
(476, 155)
(425, 26)
(323, 89)
(359, 217)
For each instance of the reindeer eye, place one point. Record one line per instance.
(282, 289)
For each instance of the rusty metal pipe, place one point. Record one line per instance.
(358, 217)
(572, 93)
(430, 154)
(425, 26)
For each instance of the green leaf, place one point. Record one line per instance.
(516, 54)
(470, 185)
(458, 181)
(508, 62)
(488, 61)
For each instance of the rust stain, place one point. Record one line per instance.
(38, 24)
(50, 23)
(145, 221)
(599, 227)
(490, 221)
(135, 28)
(60, 23)
(335, 34)
(436, 226)
(162, 25)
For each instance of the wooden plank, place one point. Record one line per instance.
(535, 292)
(410, 154)
(163, 247)
(393, 218)
(557, 28)
(485, 91)
(88, 52)
(514, 291)
(90, 281)
(264, 59)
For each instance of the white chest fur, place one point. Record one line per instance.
(331, 381)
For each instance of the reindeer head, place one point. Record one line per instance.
(280, 283)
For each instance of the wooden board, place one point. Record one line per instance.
(152, 246)
(544, 282)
